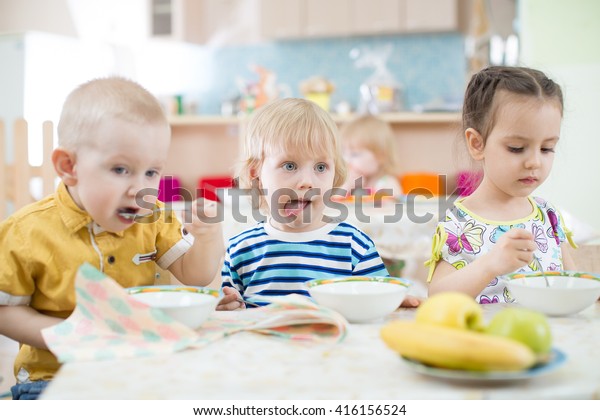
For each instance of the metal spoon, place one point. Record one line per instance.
(136, 216)
(248, 303)
(537, 260)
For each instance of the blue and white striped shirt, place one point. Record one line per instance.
(263, 261)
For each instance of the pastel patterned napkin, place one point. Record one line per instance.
(107, 323)
(293, 317)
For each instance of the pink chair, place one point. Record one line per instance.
(169, 189)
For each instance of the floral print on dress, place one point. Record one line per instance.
(502, 229)
(555, 231)
(462, 238)
(539, 237)
(467, 238)
(485, 299)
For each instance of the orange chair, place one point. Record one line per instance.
(423, 183)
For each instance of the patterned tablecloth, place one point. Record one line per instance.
(247, 365)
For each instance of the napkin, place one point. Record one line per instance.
(108, 324)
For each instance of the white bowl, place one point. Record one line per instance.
(360, 299)
(189, 305)
(569, 292)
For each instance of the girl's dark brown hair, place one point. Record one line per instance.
(479, 108)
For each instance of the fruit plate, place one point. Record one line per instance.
(556, 359)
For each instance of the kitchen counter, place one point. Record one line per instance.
(209, 145)
(247, 365)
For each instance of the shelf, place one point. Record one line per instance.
(392, 118)
(192, 120)
(409, 117)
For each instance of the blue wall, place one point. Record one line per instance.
(430, 67)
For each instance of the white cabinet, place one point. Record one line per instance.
(229, 21)
(281, 19)
(328, 18)
(371, 17)
(432, 15)
(334, 18)
(177, 20)
(205, 21)
(245, 21)
(378, 16)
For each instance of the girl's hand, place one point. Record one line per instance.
(201, 218)
(513, 250)
(230, 302)
(411, 302)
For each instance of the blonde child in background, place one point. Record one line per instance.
(113, 143)
(368, 144)
(512, 118)
(292, 153)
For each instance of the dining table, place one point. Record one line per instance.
(252, 366)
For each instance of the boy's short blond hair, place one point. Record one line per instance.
(113, 97)
(290, 124)
(371, 133)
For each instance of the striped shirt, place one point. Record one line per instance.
(263, 261)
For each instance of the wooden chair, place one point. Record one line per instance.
(587, 258)
(15, 178)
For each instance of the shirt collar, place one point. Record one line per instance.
(72, 216)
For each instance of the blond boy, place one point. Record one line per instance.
(113, 144)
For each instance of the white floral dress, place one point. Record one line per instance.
(464, 236)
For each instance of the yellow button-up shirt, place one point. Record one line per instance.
(42, 246)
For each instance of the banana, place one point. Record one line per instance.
(451, 309)
(455, 348)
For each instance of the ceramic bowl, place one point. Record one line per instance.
(360, 299)
(569, 292)
(189, 305)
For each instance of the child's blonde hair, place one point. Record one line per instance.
(371, 133)
(113, 97)
(290, 124)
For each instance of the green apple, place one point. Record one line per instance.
(529, 327)
(451, 309)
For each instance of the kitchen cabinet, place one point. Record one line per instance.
(243, 21)
(229, 21)
(371, 17)
(177, 20)
(328, 18)
(281, 18)
(432, 15)
(315, 18)
(210, 145)
(378, 16)
(204, 21)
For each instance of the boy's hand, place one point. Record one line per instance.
(513, 250)
(201, 218)
(230, 300)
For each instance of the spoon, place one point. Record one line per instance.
(136, 216)
(248, 303)
(537, 260)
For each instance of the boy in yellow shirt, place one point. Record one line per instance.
(113, 143)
